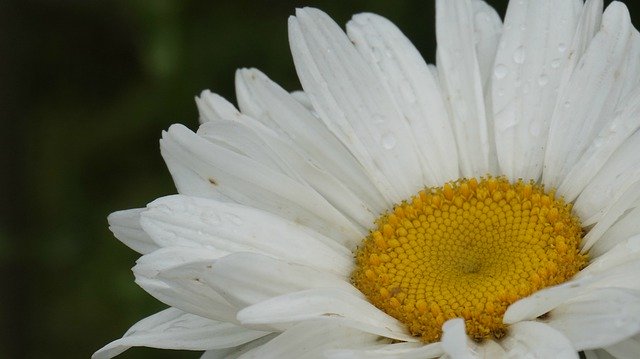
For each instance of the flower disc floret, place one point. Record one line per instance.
(467, 250)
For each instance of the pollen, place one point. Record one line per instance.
(467, 250)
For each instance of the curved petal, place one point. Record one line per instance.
(609, 185)
(125, 225)
(409, 83)
(353, 104)
(390, 351)
(345, 307)
(263, 145)
(248, 182)
(182, 292)
(175, 329)
(307, 132)
(528, 66)
(461, 85)
(589, 97)
(599, 318)
(230, 227)
(537, 341)
(247, 278)
(311, 340)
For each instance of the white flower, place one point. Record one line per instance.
(255, 256)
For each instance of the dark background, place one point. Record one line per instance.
(86, 87)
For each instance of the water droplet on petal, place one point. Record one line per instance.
(562, 47)
(567, 104)
(500, 71)
(389, 141)
(555, 63)
(518, 55)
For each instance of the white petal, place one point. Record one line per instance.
(390, 351)
(409, 82)
(609, 185)
(266, 147)
(308, 133)
(354, 104)
(125, 225)
(487, 28)
(461, 84)
(624, 200)
(624, 251)
(184, 293)
(454, 339)
(537, 341)
(311, 340)
(174, 329)
(233, 353)
(622, 274)
(626, 349)
(246, 278)
(230, 227)
(528, 66)
(249, 182)
(599, 318)
(345, 307)
(610, 138)
(598, 354)
(589, 97)
(623, 229)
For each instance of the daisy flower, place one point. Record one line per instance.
(485, 207)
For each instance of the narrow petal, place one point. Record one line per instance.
(246, 278)
(625, 349)
(230, 227)
(345, 307)
(599, 318)
(237, 352)
(609, 185)
(125, 225)
(407, 79)
(609, 139)
(390, 351)
(184, 292)
(461, 84)
(455, 342)
(311, 340)
(488, 29)
(528, 66)
(263, 145)
(625, 228)
(624, 251)
(625, 200)
(174, 329)
(353, 104)
(589, 97)
(249, 182)
(537, 341)
(308, 133)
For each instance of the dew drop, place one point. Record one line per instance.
(518, 55)
(555, 63)
(567, 104)
(389, 141)
(500, 71)
(543, 80)
(562, 47)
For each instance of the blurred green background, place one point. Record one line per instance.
(86, 87)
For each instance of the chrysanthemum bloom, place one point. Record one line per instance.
(484, 207)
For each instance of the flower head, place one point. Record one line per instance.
(484, 207)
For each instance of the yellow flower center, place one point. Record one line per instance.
(467, 250)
